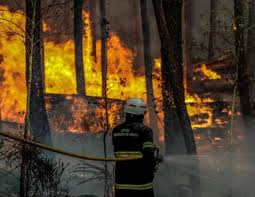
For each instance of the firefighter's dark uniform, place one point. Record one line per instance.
(133, 178)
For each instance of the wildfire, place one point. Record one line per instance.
(200, 111)
(121, 81)
(59, 66)
(196, 106)
(207, 73)
(12, 65)
(59, 69)
(60, 76)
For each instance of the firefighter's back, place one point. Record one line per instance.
(132, 177)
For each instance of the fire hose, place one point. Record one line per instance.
(70, 154)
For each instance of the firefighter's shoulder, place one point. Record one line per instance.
(118, 127)
(145, 131)
(145, 128)
(146, 136)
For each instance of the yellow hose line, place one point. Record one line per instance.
(56, 150)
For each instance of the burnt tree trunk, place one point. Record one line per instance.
(30, 17)
(104, 36)
(148, 70)
(136, 38)
(93, 11)
(173, 16)
(251, 53)
(169, 20)
(187, 40)
(174, 141)
(169, 17)
(36, 116)
(243, 76)
(42, 52)
(103, 47)
(212, 30)
(78, 45)
(246, 70)
(36, 121)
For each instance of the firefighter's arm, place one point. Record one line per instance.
(148, 148)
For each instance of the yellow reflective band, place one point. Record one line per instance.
(127, 154)
(134, 187)
(148, 145)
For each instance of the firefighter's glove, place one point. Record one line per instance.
(158, 159)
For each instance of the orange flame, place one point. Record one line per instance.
(59, 67)
(195, 104)
(12, 63)
(207, 73)
(121, 81)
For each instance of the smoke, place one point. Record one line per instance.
(221, 174)
(228, 174)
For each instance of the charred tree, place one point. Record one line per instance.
(36, 115)
(169, 17)
(148, 69)
(136, 37)
(169, 20)
(30, 18)
(212, 30)
(251, 54)
(173, 16)
(36, 121)
(175, 56)
(93, 11)
(187, 40)
(243, 76)
(104, 37)
(42, 55)
(78, 35)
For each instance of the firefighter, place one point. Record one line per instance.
(132, 138)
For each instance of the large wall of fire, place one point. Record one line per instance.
(59, 66)
(122, 80)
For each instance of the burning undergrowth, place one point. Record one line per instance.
(79, 114)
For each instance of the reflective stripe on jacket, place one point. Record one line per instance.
(134, 187)
(133, 139)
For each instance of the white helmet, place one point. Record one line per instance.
(135, 106)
